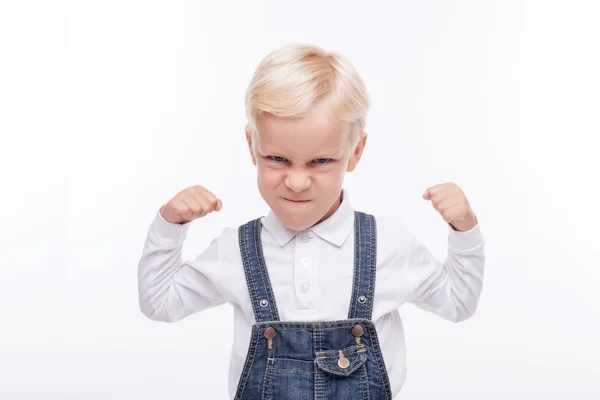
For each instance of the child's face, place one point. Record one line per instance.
(301, 164)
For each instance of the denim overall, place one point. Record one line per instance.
(313, 360)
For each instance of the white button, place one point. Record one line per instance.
(305, 261)
(305, 286)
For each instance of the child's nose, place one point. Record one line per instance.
(297, 181)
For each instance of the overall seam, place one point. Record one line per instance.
(365, 385)
(248, 271)
(248, 365)
(379, 360)
(264, 273)
(266, 380)
(318, 377)
(360, 258)
(372, 267)
(354, 305)
(322, 325)
(255, 233)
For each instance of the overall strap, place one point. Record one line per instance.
(255, 269)
(365, 263)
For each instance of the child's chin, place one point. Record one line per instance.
(297, 222)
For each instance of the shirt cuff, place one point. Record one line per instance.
(465, 240)
(168, 232)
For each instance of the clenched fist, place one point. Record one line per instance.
(452, 204)
(190, 204)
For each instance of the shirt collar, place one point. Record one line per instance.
(334, 229)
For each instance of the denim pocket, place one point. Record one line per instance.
(329, 360)
(288, 379)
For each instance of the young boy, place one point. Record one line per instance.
(315, 286)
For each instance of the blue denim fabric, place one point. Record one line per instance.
(302, 363)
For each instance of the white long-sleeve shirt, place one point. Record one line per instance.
(301, 266)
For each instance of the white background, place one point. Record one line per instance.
(109, 108)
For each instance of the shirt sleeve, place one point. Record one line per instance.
(170, 288)
(450, 289)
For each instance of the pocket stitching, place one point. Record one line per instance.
(291, 370)
(349, 350)
(267, 381)
(335, 370)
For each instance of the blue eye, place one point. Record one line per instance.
(276, 158)
(322, 160)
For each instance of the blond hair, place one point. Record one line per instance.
(292, 79)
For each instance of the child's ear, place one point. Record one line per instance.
(357, 153)
(250, 147)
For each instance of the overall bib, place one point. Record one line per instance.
(313, 360)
